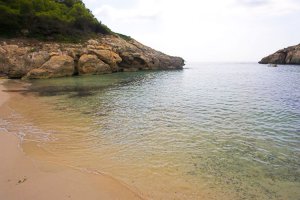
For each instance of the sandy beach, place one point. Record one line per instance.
(23, 178)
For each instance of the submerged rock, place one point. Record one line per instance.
(24, 58)
(290, 55)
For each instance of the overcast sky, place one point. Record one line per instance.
(205, 30)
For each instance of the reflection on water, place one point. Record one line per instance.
(212, 131)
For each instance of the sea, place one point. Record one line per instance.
(209, 131)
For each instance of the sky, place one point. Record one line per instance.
(205, 30)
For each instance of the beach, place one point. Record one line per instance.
(158, 135)
(22, 177)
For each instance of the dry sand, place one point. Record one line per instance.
(22, 178)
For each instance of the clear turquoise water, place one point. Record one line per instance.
(214, 130)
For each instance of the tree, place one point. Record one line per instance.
(49, 18)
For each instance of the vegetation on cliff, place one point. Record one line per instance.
(48, 19)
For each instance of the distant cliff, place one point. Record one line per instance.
(34, 59)
(290, 55)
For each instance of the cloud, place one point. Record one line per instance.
(206, 30)
(115, 3)
(253, 3)
(110, 13)
(270, 7)
(135, 18)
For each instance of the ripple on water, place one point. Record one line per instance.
(210, 131)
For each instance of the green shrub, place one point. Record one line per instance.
(49, 19)
(125, 37)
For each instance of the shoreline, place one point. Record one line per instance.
(22, 177)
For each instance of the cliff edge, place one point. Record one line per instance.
(290, 55)
(34, 59)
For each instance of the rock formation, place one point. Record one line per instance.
(32, 59)
(91, 64)
(290, 55)
(56, 66)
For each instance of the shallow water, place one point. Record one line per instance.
(210, 131)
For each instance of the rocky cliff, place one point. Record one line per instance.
(32, 59)
(290, 55)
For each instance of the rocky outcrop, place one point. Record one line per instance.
(290, 55)
(24, 58)
(57, 66)
(91, 64)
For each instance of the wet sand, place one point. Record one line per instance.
(22, 177)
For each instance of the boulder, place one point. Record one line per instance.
(91, 64)
(37, 59)
(57, 66)
(13, 61)
(109, 57)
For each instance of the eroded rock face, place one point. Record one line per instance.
(57, 66)
(105, 54)
(290, 55)
(137, 56)
(37, 59)
(91, 64)
(293, 57)
(13, 60)
(109, 57)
